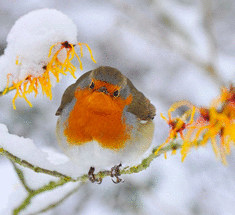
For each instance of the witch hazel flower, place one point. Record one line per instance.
(177, 124)
(40, 45)
(214, 124)
(199, 126)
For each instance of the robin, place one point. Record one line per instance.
(104, 120)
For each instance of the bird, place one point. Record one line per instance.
(104, 121)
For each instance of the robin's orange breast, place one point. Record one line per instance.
(98, 116)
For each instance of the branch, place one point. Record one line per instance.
(50, 186)
(208, 23)
(26, 164)
(7, 91)
(155, 33)
(21, 177)
(63, 179)
(127, 170)
(55, 204)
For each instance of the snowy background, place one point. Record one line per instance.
(171, 50)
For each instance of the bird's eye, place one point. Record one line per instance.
(116, 93)
(92, 85)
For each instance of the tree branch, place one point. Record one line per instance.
(26, 164)
(127, 170)
(63, 179)
(7, 91)
(21, 177)
(55, 204)
(50, 186)
(154, 32)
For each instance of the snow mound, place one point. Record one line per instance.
(25, 149)
(29, 42)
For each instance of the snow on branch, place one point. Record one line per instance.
(40, 48)
(23, 152)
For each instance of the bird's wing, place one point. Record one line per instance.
(140, 105)
(69, 93)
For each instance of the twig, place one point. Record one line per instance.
(26, 164)
(143, 165)
(147, 161)
(155, 33)
(208, 28)
(55, 204)
(7, 91)
(207, 20)
(50, 186)
(65, 179)
(21, 177)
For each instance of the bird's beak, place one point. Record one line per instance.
(101, 103)
(103, 90)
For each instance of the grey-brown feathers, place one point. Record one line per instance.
(68, 95)
(140, 105)
(110, 75)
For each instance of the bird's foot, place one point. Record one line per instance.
(115, 172)
(92, 177)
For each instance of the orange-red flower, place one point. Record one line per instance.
(215, 124)
(177, 124)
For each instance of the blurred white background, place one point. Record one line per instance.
(171, 50)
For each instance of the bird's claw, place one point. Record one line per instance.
(92, 177)
(115, 172)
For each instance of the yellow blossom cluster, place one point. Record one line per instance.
(56, 66)
(200, 125)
